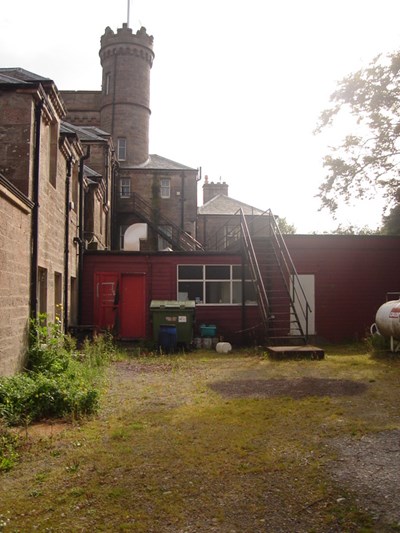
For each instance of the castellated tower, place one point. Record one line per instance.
(126, 59)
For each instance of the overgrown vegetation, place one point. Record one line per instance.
(59, 379)
(169, 453)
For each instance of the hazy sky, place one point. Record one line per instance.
(236, 87)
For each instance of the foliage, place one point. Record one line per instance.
(367, 160)
(171, 454)
(285, 227)
(49, 349)
(9, 443)
(58, 381)
(391, 222)
(355, 230)
(25, 398)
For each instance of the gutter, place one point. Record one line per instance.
(66, 242)
(81, 242)
(35, 213)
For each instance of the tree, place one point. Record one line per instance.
(391, 222)
(368, 160)
(355, 230)
(285, 227)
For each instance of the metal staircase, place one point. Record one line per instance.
(179, 239)
(282, 302)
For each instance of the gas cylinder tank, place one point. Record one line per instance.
(387, 319)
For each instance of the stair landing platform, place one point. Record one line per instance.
(306, 351)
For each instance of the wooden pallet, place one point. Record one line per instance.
(296, 352)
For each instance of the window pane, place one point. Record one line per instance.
(250, 293)
(237, 272)
(218, 272)
(190, 272)
(125, 187)
(218, 292)
(191, 290)
(121, 149)
(165, 188)
(236, 292)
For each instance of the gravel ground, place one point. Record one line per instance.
(370, 468)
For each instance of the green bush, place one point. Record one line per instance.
(26, 398)
(58, 381)
(9, 444)
(50, 350)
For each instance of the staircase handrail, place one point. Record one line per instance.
(255, 269)
(179, 238)
(290, 270)
(281, 252)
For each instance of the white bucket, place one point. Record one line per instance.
(223, 347)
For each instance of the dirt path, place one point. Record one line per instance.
(207, 443)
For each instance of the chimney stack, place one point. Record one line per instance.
(211, 189)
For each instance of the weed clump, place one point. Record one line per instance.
(58, 380)
(9, 444)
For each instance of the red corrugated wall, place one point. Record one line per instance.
(353, 273)
(352, 276)
(160, 270)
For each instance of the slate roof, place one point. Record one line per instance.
(85, 133)
(17, 75)
(89, 172)
(224, 205)
(157, 162)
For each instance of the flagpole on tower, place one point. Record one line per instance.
(128, 15)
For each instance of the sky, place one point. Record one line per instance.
(236, 87)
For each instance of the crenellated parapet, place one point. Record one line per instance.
(125, 42)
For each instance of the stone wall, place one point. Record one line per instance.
(15, 216)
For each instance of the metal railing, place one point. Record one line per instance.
(265, 225)
(255, 271)
(176, 236)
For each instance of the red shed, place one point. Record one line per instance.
(346, 278)
(350, 275)
(118, 288)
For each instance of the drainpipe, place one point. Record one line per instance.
(66, 243)
(81, 233)
(35, 213)
(183, 202)
(243, 275)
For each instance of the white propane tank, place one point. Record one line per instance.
(387, 319)
(223, 347)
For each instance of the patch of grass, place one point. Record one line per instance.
(166, 453)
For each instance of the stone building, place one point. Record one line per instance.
(43, 182)
(218, 217)
(15, 217)
(155, 198)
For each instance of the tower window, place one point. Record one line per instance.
(121, 149)
(107, 85)
(165, 188)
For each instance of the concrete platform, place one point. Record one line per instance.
(306, 351)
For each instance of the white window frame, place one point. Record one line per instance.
(125, 187)
(108, 83)
(121, 148)
(165, 188)
(230, 287)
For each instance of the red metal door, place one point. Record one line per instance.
(132, 306)
(106, 300)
